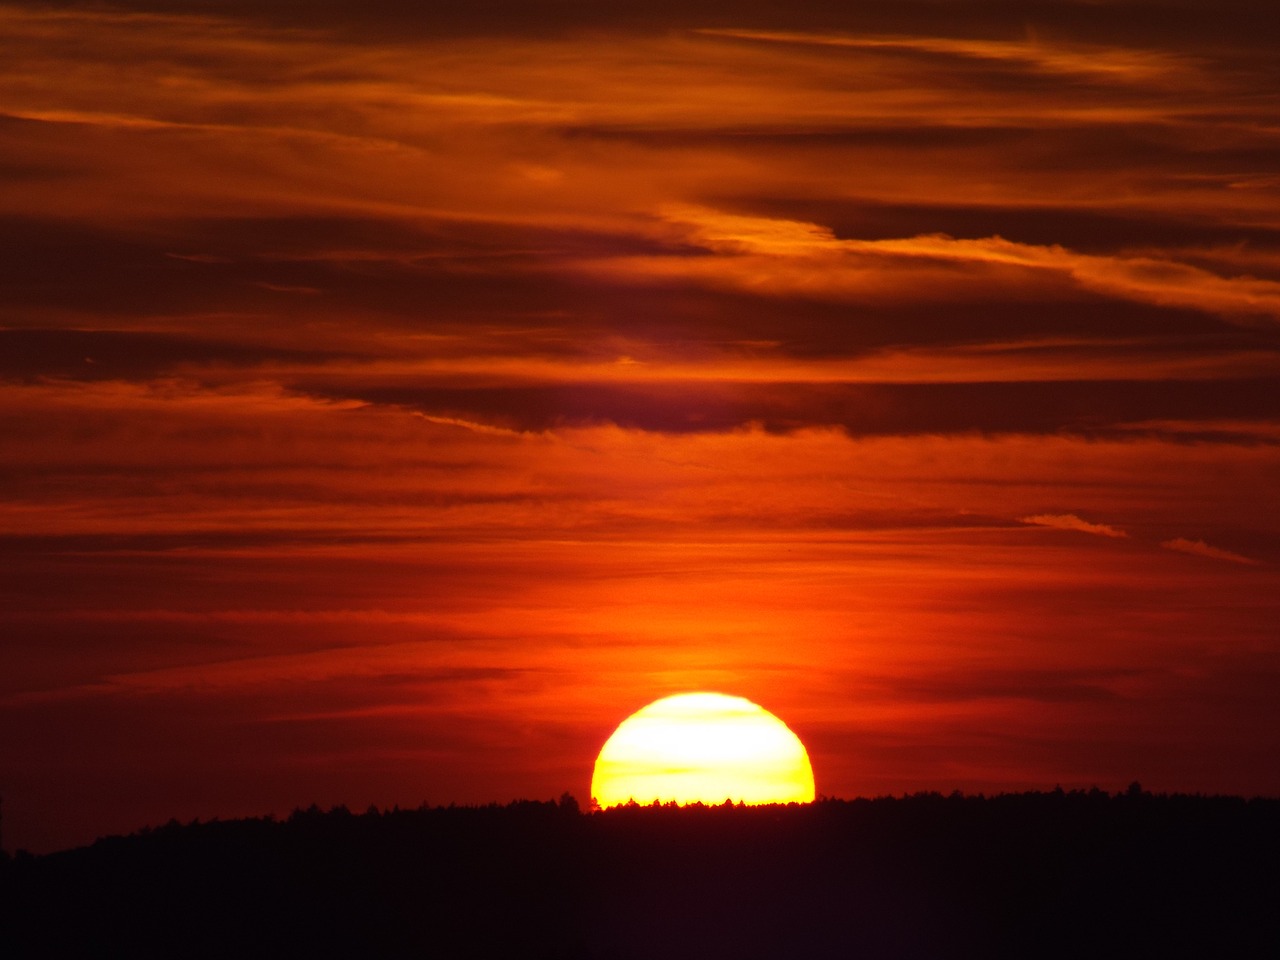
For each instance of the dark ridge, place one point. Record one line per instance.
(1026, 875)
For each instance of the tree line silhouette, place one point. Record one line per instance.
(1056, 874)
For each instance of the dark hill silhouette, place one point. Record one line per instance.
(1028, 875)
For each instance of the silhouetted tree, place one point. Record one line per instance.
(1065, 873)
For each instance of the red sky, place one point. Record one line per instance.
(392, 403)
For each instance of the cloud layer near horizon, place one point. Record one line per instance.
(385, 401)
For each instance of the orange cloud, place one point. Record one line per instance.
(1109, 63)
(1201, 549)
(1069, 521)
(788, 258)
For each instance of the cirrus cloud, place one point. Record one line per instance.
(1069, 521)
(1199, 548)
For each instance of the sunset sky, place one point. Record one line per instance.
(392, 401)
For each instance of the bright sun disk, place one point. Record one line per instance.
(702, 747)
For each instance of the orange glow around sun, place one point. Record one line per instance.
(705, 747)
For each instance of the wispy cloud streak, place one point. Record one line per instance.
(1069, 521)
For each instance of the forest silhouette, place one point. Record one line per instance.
(1052, 874)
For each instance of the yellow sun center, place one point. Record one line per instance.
(705, 747)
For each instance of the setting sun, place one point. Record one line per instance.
(705, 747)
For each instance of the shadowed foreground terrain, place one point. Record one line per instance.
(1029, 875)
